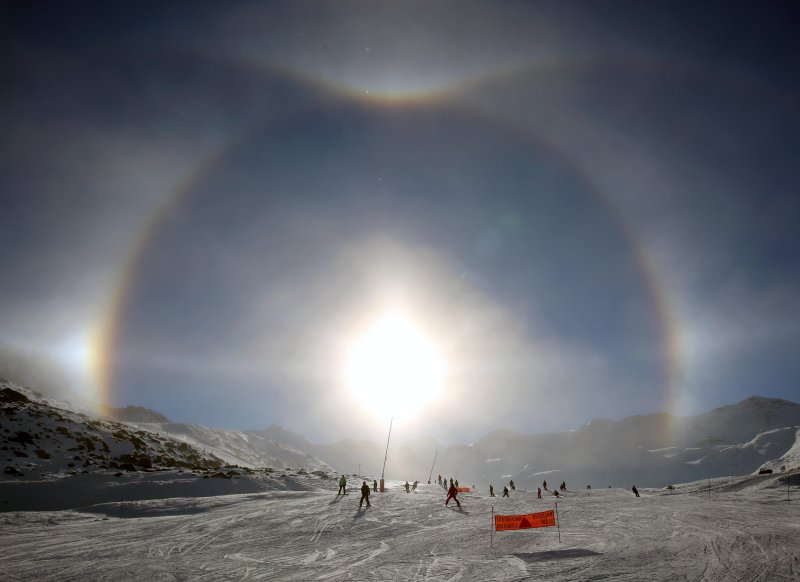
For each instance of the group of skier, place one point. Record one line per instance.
(410, 488)
(364, 489)
(452, 490)
(444, 483)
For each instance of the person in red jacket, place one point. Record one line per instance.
(451, 494)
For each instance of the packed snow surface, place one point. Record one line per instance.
(728, 529)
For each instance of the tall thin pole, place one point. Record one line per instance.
(558, 523)
(387, 447)
(434, 463)
(491, 531)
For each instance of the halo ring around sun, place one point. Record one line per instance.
(110, 326)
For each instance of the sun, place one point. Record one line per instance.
(393, 369)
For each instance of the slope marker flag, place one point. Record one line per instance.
(525, 521)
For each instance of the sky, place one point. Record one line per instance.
(583, 210)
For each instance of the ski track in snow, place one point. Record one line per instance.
(315, 535)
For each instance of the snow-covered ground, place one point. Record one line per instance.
(745, 530)
(87, 498)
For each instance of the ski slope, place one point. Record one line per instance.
(744, 531)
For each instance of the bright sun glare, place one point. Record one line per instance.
(394, 369)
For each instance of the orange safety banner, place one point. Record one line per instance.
(462, 489)
(528, 520)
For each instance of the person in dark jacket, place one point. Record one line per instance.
(375, 485)
(491, 491)
(544, 484)
(505, 492)
(452, 494)
(635, 491)
(406, 486)
(364, 494)
(511, 484)
(538, 492)
(342, 485)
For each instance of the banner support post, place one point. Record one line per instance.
(491, 531)
(558, 523)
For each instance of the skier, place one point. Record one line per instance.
(456, 483)
(414, 486)
(555, 492)
(364, 494)
(439, 480)
(505, 492)
(563, 485)
(538, 492)
(375, 485)
(589, 487)
(342, 485)
(452, 494)
(491, 491)
(406, 486)
(635, 491)
(451, 481)
(544, 484)
(511, 484)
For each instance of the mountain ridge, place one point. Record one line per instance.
(650, 450)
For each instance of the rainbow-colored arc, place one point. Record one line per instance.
(104, 344)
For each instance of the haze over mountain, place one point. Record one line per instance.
(652, 450)
(37, 372)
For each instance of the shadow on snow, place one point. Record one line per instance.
(556, 555)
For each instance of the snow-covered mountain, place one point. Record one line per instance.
(652, 450)
(41, 439)
(134, 414)
(246, 448)
(59, 456)
(49, 437)
(789, 460)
